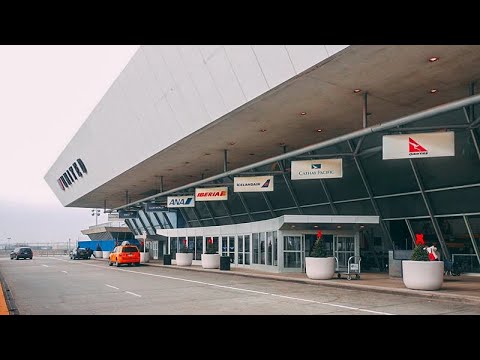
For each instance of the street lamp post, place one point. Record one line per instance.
(96, 213)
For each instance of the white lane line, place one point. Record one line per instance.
(240, 289)
(131, 293)
(64, 272)
(45, 265)
(113, 287)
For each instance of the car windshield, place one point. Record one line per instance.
(130, 249)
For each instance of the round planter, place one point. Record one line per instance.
(98, 254)
(144, 257)
(210, 261)
(320, 268)
(105, 254)
(422, 275)
(184, 259)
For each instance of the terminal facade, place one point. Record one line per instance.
(258, 147)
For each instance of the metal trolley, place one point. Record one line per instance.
(353, 268)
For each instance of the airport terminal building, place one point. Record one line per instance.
(257, 148)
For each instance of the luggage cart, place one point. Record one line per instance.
(353, 268)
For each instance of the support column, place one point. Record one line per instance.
(446, 253)
(365, 110)
(472, 237)
(383, 226)
(410, 230)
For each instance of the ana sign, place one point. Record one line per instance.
(180, 201)
(317, 169)
(253, 184)
(211, 194)
(411, 146)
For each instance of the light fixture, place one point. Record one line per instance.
(318, 130)
(207, 154)
(232, 143)
(187, 162)
(263, 130)
(433, 91)
(362, 226)
(356, 91)
(339, 226)
(293, 226)
(315, 226)
(433, 59)
(251, 154)
(303, 113)
(282, 144)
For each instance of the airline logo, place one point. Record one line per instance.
(211, 194)
(419, 145)
(70, 175)
(180, 201)
(415, 148)
(317, 169)
(253, 184)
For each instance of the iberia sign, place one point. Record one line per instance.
(410, 146)
(211, 194)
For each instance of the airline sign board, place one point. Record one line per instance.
(155, 207)
(411, 146)
(180, 201)
(317, 169)
(211, 194)
(124, 214)
(253, 184)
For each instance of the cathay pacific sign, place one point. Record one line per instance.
(180, 201)
(253, 184)
(317, 169)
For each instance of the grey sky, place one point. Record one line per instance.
(46, 93)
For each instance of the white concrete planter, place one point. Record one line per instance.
(318, 268)
(422, 275)
(98, 254)
(105, 254)
(184, 259)
(211, 261)
(144, 257)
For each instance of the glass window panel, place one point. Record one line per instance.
(231, 247)
(349, 186)
(262, 248)
(255, 248)
(363, 207)
(275, 251)
(292, 260)
(309, 191)
(224, 246)
(402, 206)
(292, 243)
(173, 247)
(456, 201)
(198, 247)
(281, 197)
(318, 210)
(269, 249)
(240, 249)
(255, 201)
(247, 249)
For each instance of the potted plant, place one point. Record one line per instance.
(184, 257)
(420, 272)
(318, 265)
(211, 258)
(98, 253)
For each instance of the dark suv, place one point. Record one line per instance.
(80, 253)
(21, 253)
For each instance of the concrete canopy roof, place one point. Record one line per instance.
(398, 79)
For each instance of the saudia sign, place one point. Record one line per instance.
(180, 201)
(419, 145)
(70, 175)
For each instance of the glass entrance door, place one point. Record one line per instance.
(243, 247)
(293, 256)
(228, 248)
(343, 248)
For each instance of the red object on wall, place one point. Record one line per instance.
(419, 239)
(319, 234)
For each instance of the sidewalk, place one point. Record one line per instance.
(463, 288)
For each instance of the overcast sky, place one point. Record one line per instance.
(46, 93)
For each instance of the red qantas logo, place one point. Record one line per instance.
(415, 148)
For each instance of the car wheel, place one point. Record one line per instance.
(137, 264)
(110, 263)
(16, 257)
(117, 264)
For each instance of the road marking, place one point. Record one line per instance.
(64, 272)
(238, 289)
(113, 287)
(131, 293)
(45, 265)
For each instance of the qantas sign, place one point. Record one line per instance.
(211, 194)
(72, 174)
(419, 145)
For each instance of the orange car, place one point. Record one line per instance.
(124, 254)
